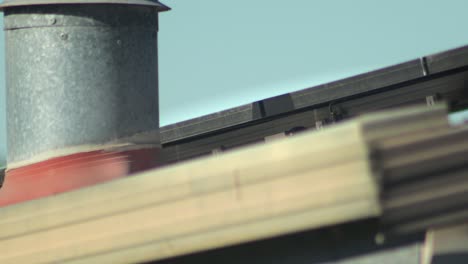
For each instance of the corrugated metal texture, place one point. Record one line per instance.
(359, 84)
(296, 101)
(448, 60)
(235, 138)
(442, 76)
(79, 75)
(450, 88)
(214, 122)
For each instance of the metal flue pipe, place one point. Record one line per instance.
(82, 76)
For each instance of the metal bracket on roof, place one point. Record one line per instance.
(432, 99)
(319, 125)
(336, 112)
(424, 66)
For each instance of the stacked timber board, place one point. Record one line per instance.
(426, 182)
(308, 181)
(423, 167)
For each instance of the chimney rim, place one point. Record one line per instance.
(17, 3)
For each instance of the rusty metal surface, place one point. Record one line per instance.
(17, 3)
(89, 76)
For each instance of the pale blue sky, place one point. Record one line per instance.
(217, 54)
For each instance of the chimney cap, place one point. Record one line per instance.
(15, 3)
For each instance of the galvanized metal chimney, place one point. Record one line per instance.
(82, 76)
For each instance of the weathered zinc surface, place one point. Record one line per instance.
(79, 73)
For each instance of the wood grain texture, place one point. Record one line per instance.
(307, 181)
